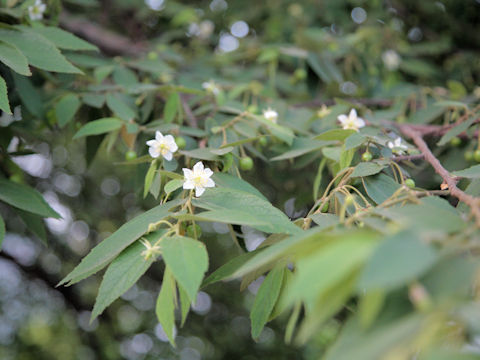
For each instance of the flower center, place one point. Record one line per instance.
(198, 180)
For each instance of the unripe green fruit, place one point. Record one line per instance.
(16, 178)
(410, 183)
(300, 74)
(367, 156)
(325, 207)
(192, 229)
(246, 163)
(263, 141)
(468, 155)
(455, 141)
(130, 155)
(227, 162)
(476, 155)
(349, 199)
(181, 143)
(152, 55)
(252, 109)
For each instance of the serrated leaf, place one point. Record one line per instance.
(354, 141)
(473, 172)
(66, 109)
(335, 134)
(184, 304)
(188, 260)
(102, 254)
(100, 126)
(120, 108)
(367, 169)
(165, 307)
(325, 221)
(266, 299)
(380, 187)
(34, 224)
(456, 130)
(300, 146)
(228, 269)
(171, 107)
(346, 157)
(233, 182)
(122, 274)
(29, 95)
(173, 185)
(149, 177)
(201, 153)
(39, 51)
(25, 198)
(400, 259)
(62, 39)
(4, 104)
(14, 59)
(251, 205)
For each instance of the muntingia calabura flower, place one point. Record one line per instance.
(162, 145)
(151, 251)
(391, 59)
(397, 146)
(270, 115)
(211, 87)
(352, 121)
(35, 12)
(198, 179)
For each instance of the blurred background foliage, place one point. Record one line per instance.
(298, 52)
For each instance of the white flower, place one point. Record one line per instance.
(391, 59)
(270, 115)
(151, 251)
(351, 122)
(198, 179)
(397, 146)
(162, 145)
(211, 87)
(253, 238)
(36, 10)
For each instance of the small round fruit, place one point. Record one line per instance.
(246, 163)
(410, 183)
(476, 155)
(16, 178)
(252, 109)
(455, 141)
(468, 155)
(181, 143)
(300, 74)
(367, 156)
(349, 199)
(263, 141)
(130, 155)
(192, 229)
(325, 207)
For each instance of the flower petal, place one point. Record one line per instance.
(158, 135)
(168, 156)
(199, 191)
(187, 173)
(360, 122)
(210, 183)
(353, 114)
(188, 184)
(154, 153)
(342, 118)
(151, 142)
(198, 167)
(208, 172)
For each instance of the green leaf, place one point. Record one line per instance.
(2, 231)
(25, 198)
(354, 141)
(380, 187)
(233, 182)
(122, 273)
(367, 169)
(173, 185)
(325, 221)
(171, 107)
(318, 178)
(184, 304)
(456, 130)
(370, 305)
(29, 95)
(473, 172)
(252, 206)
(227, 270)
(102, 254)
(66, 109)
(227, 216)
(188, 260)
(39, 51)
(335, 134)
(34, 224)
(4, 105)
(120, 108)
(266, 299)
(201, 153)
(149, 177)
(14, 59)
(472, 189)
(100, 126)
(301, 146)
(346, 157)
(400, 259)
(165, 308)
(61, 38)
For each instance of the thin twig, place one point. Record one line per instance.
(330, 102)
(188, 111)
(408, 157)
(416, 136)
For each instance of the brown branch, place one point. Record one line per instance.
(188, 111)
(108, 41)
(416, 136)
(408, 157)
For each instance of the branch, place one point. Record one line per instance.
(188, 111)
(108, 41)
(330, 102)
(408, 157)
(416, 136)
